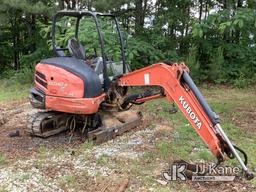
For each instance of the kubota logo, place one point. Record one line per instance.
(191, 114)
(60, 84)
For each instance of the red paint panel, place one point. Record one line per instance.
(74, 105)
(60, 82)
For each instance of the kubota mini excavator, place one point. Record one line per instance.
(73, 93)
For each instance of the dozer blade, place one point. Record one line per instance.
(115, 124)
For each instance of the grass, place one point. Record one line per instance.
(182, 143)
(187, 145)
(87, 145)
(2, 159)
(25, 177)
(102, 160)
(3, 189)
(164, 149)
(67, 181)
(12, 91)
(43, 152)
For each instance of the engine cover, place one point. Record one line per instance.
(67, 77)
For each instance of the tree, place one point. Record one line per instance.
(217, 38)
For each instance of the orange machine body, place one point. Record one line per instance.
(64, 91)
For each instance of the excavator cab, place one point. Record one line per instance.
(81, 25)
(74, 87)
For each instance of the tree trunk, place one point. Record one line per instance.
(206, 9)
(200, 10)
(61, 4)
(68, 4)
(225, 4)
(237, 33)
(239, 3)
(139, 19)
(144, 10)
(33, 30)
(74, 4)
(89, 5)
(15, 34)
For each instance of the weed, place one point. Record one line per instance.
(135, 168)
(2, 159)
(102, 160)
(39, 163)
(68, 181)
(164, 149)
(43, 152)
(3, 189)
(25, 177)
(149, 156)
(87, 145)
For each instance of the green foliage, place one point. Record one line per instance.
(23, 76)
(21, 45)
(241, 81)
(164, 149)
(226, 46)
(194, 66)
(218, 42)
(30, 6)
(141, 53)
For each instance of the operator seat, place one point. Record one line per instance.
(76, 49)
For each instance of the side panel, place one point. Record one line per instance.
(61, 90)
(56, 81)
(73, 105)
(92, 85)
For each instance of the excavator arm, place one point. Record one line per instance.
(179, 88)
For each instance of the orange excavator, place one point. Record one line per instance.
(73, 93)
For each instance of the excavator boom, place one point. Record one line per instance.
(179, 88)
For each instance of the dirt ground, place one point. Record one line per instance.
(13, 118)
(35, 164)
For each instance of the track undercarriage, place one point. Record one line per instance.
(99, 127)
